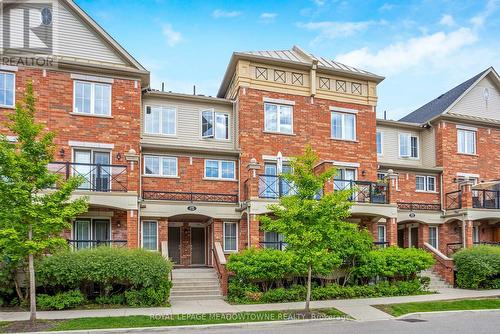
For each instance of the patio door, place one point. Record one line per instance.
(91, 232)
(101, 230)
(343, 178)
(273, 184)
(94, 167)
(82, 231)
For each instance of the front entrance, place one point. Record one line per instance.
(197, 245)
(401, 237)
(174, 243)
(414, 237)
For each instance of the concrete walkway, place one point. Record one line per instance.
(359, 309)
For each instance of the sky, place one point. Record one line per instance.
(422, 47)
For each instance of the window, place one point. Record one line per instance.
(408, 146)
(342, 180)
(278, 118)
(150, 235)
(425, 183)
(214, 124)
(92, 98)
(381, 234)
(220, 169)
(160, 166)
(343, 126)
(381, 176)
(274, 240)
(94, 167)
(379, 142)
(7, 89)
(86, 232)
(475, 235)
(466, 141)
(433, 236)
(230, 237)
(160, 120)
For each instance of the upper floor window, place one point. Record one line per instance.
(160, 120)
(343, 125)
(278, 118)
(7, 89)
(425, 183)
(92, 98)
(214, 124)
(466, 141)
(379, 142)
(220, 169)
(160, 166)
(408, 145)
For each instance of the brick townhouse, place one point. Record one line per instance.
(188, 175)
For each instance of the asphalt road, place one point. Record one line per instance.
(450, 322)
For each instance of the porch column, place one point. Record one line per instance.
(251, 184)
(467, 233)
(132, 229)
(133, 170)
(392, 231)
(254, 232)
(466, 188)
(391, 188)
(423, 234)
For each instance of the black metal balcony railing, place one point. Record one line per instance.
(97, 177)
(274, 186)
(83, 244)
(381, 244)
(453, 200)
(364, 191)
(189, 196)
(419, 206)
(280, 245)
(486, 199)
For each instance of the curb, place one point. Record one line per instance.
(444, 312)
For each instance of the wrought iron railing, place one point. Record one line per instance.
(189, 196)
(486, 199)
(83, 244)
(274, 186)
(381, 244)
(364, 191)
(419, 206)
(96, 177)
(280, 245)
(453, 200)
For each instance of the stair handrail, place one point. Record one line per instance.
(220, 265)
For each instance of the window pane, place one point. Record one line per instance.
(82, 97)
(9, 90)
(207, 124)
(169, 166)
(337, 125)
(228, 169)
(221, 126)
(271, 117)
(152, 165)
(102, 99)
(2, 88)
(404, 143)
(381, 233)
(461, 141)
(433, 236)
(350, 126)
(230, 236)
(420, 183)
(379, 143)
(431, 184)
(168, 121)
(414, 147)
(149, 236)
(285, 119)
(211, 168)
(152, 120)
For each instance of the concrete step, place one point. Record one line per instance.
(183, 293)
(195, 285)
(195, 297)
(183, 276)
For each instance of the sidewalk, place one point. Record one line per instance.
(359, 309)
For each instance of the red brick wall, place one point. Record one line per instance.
(191, 179)
(54, 105)
(406, 191)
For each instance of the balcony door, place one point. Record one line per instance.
(91, 232)
(343, 178)
(272, 181)
(94, 167)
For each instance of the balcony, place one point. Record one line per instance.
(189, 196)
(419, 206)
(453, 200)
(274, 186)
(83, 244)
(97, 177)
(486, 199)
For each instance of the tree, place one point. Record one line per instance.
(312, 227)
(32, 217)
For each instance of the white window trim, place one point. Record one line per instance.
(381, 143)
(224, 237)
(278, 122)
(219, 177)
(161, 166)
(343, 113)
(13, 92)
(157, 235)
(385, 233)
(437, 236)
(160, 133)
(92, 98)
(214, 114)
(91, 230)
(475, 140)
(409, 148)
(426, 184)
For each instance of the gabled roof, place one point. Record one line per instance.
(295, 57)
(443, 102)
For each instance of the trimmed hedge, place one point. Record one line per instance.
(142, 277)
(478, 267)
(60, 301)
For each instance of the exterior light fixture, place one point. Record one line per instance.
(61, 152)
(118, 156)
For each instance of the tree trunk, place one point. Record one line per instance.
(31, 268)
(308, 295)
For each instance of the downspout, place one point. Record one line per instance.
(463, 231)
(248, 225)
(139, 202)
(441, 198)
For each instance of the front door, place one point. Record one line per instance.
(174, 244)
(197, 245)
(401, 237)
(414, 237)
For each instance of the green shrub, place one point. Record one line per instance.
(395, 263)
(108, 270)
(7, 276)
(478, 267)
(282, 295)
(60, 301)
(117, 299)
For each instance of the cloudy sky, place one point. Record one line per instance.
(422, 47)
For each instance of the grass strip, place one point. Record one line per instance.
(448, 305)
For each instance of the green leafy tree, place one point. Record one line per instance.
(32, 217)
(311, 227)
